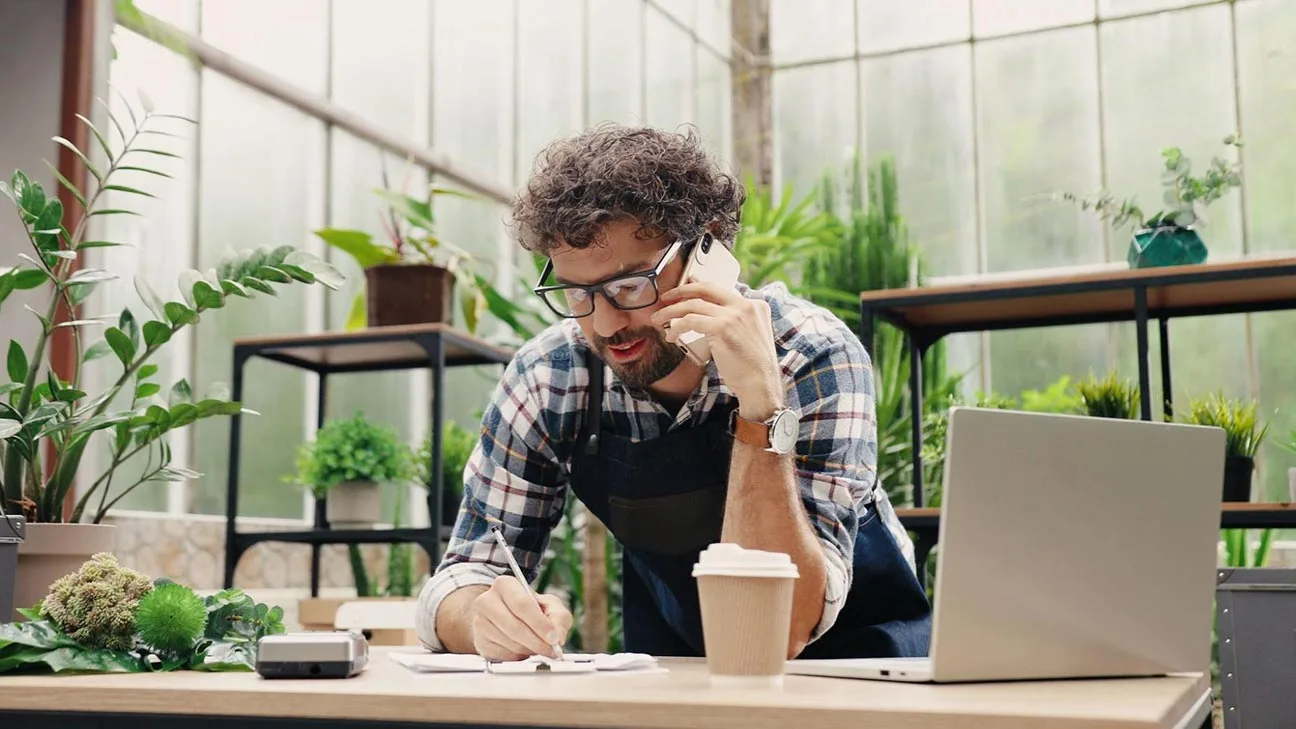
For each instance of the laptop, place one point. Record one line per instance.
(1070, 547)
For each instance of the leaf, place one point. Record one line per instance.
(323, 271)
(180, 393)
(179, 314)
(97, 350)
(149, 297)
(9, 428)
(126, 322)
(9, 387)
(131, 190)
(270, 273)
(145, 170)
(146, 371)
(183, 414)
(234, 288)
(91, 276)
(297, 272)
(121, 345)
(156, 333)
(29, 195)
(68, 394)
(80, 292)
(206, 296)
(259, 285)
(358, 316)
(114, 211)
(103, 143)
(67, 184)
(146, 390)
(29, 278)
(47, 226)
(17, 362)
(218, 391)
(89, 167)
(157, 152)
(187, 280)
(359, 245)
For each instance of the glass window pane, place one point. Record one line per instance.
(684, 12)
(1033, 359)
(715, 23)
(886, 25)
(265, 161)
(917, 110)
(806, 30)
(472, 86)
(1266, 69)
(1274, 333)
(161, 238)
(670, 72)
(385, 82)
(1032, 92)
(549, 75)
(815, 127)
(998, 17)
(714, 104)
(1116, 8)
(615, 45)
(1155, 97)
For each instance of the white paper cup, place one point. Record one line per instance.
(746, 601)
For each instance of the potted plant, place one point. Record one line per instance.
(457, 445)
(1243, 434)
(1108, 398)
(12, 529)
(347, 464)
(1170, 236)
(47, 419)
(410, 273)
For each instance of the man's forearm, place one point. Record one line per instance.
(763, 510)
(454, 619)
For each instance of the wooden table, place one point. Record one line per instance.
(388, 696)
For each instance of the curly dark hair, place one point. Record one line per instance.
(664, 181)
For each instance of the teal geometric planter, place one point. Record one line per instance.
(1168, 245)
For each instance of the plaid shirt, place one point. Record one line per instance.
(519, 470)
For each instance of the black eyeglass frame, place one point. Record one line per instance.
(651, 274)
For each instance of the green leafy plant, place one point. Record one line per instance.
(47, 419)
(457, 443)
(1185, 196)
(154, 625)
(409, 237)
(1110, 397)
(1059, 397)
(1243, 429)
(353, 449)
(777, 237)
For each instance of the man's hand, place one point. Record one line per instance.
(741, 337)
(507, 625)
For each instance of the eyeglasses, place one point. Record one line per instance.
(626, 292)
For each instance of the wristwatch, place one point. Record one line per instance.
(776, 435)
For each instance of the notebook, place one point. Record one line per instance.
(424, 662)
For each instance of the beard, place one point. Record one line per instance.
(659, 358)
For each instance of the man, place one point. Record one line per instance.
(604, 406)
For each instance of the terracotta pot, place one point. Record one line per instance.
(408, 293)
(354, 505)
(51, 551)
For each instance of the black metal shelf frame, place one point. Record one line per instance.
(433, 344)
(921, 338)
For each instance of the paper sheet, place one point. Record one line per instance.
(572, 663)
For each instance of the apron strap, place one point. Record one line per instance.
(594, 406)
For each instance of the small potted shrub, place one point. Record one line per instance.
(457, 445)
(1108, 398)
(1169, 237)
(347, 463)
(1244, 432)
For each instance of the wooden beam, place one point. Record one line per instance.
(753, 110)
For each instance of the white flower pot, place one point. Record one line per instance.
(354, 505)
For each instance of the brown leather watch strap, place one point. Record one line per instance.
(751, 433)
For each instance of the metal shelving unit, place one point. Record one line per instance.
(425, 346)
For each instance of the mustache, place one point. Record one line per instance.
(625, 337)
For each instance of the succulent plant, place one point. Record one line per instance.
(95, 606)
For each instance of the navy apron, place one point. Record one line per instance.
(663, 499)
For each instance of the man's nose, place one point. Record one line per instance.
(607, 319)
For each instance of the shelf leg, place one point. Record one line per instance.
(241, 356)
(1141, 327)
(435, 347)
(866, 329)
(1167, 390)
(321, 505)
(916, 414)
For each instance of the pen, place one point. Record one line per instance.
(517, 572)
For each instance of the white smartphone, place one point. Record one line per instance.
(712, 262)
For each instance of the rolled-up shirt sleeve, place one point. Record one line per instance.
(836, 459)
(513, 478)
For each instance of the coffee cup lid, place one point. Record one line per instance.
(731, 560)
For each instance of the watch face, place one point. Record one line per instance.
(783, 432)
